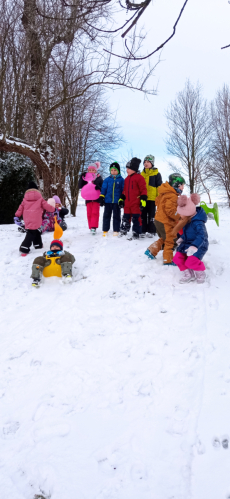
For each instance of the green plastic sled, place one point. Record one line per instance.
(214, 210)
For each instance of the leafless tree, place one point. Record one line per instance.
(220, 143)
(85, 131)
(68, 40)
(188, 138)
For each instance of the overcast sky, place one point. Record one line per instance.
(194, 53)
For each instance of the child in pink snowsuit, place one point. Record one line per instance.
(193, 243)
(90, 183)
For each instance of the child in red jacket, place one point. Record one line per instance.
(133, 199)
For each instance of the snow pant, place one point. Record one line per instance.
(166, 241)
(41, 262)
(126, 222)
(111, 208)
(185, 262)
(93, 210)
(148, 215)
(32, 237)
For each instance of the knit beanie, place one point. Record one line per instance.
(32, 185)
(57, 199)
(51, 201)
(57, 242)
(187, 206)
(95, 165)
(134, 164)
(150, 158)
(116, 165)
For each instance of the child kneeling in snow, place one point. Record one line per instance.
(65, 260)
(49, 220)
(193, 243)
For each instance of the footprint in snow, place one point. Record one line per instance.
(225, 441)
(60, 430)
(10, 429)
(216, 442)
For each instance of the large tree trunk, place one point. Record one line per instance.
(45, 172)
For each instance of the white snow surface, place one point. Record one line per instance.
(116, 386)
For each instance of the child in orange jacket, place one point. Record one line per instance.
(166, 218)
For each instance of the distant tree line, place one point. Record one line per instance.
(199, 138)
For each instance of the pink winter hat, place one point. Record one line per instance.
(95, 165)
(187, 206)
(51, 201)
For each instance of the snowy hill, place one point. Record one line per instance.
(117, 386)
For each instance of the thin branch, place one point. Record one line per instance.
(158, 48)
(137, 18)
(226, 47)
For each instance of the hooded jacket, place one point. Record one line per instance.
(32, 208)
(134, 188)
(195, 234)
(166, 203)
(153, 181)
(112, 188)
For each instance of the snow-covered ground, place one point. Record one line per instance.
(117, 386)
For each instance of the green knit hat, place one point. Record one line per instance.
(115, 165)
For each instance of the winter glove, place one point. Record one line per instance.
(191, 250)
(142, 204)
(180, 240)
(17, 221)
(121, 201)
(97, 188)
(102, 200)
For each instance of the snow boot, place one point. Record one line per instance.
(188, 275)
(133, 236)
(36, 283)
(150, 234)
(116, 233)
(67, 279)
(149, 255)
(170, 263)
(142, 235)
(104, 233)
(122, 233)
(200, 276)
(24, 254)
(93, 232)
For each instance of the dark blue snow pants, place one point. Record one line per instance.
(126, 223)
(111, 208)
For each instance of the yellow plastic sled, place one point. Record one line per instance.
(58, 232)
(53, 269)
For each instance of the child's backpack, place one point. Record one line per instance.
(89, 191)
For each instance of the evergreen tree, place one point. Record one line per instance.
(15, 173)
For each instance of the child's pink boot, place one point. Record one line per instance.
(188, 275)
(200, 276)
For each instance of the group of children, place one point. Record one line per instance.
(139, 194)
(136, 194)
(178, 222)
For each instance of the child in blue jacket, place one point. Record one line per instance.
(111, 191)
(193, 243)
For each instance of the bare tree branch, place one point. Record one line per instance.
(134, 58)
